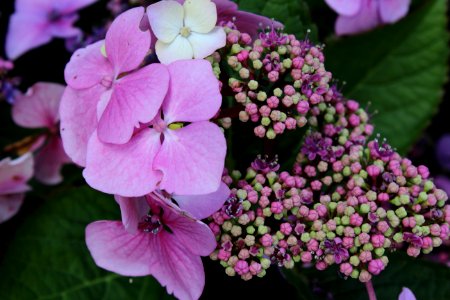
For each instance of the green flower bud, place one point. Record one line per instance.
(227, 225)
(366, 228)
(401, 212)
(379, 251)
(250, 230)
(278, 92)
(354, 260)
(253, 85)
(257, 64)
(305, 237)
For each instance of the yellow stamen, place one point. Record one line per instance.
(175, 126)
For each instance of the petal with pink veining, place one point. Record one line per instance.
(132, 210)
(126, 169)
(203, 206)
(10, 205)
(192, 159)
(39, 107)
(126, 44)
(14, 174)
(115, 249)
(393, 10)
(50, 160)
(88, 67)
(345, 7)
(180, 271)
(194, 93)
(192, 234)
(78, 111)
(366, 19)
(136, 98)
(26, 31)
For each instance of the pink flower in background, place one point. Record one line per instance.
(184, 160)
(156, 239)
(185, 31)
(106, 93)
(228, 13)
(14, 175)
(406, 294)
(39, 108)
(357, 16)
(35, 22)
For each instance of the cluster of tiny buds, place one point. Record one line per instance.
(351, 212)
(277, 80)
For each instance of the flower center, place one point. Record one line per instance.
(107, 82)
(175, 126)
(150, 224)
(185, 31)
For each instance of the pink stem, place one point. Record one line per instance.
(370, 290)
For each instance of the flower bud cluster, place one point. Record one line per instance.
(277, 79)
(350, 211)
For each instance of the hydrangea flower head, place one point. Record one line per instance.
(101, 97)
(35, 22)
(39, 108)
(178, 158)
(156, 239)
(14, 175)
(362, 15)
(185, 31)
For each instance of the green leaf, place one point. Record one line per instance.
(48, 258)
(400, 69)
(294, 14)
(426, 279)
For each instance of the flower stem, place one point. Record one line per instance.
(370, 290)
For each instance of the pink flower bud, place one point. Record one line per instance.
(346, 269)
(376, 266)
(266, 240)
(377, 240)
(241, 267)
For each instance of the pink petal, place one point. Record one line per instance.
(136, 98)
(393, 10)
(192, 159)
(194, 93)
(204, 44)
(132, 209)
(160, 255)
(50, 160)
(194, 235)
(123, 169)
(203, 206)
(250, 23)
(69, 6)
(35, 6)
(115, 249)
(79, 120)
(87, 67)
(345, 7)
(25, 32)
(406, 294)
(178, 270)
(39, 107)
(225, 6)
(14, 174)
(366, 19)
(64, 28)
(126, 44)
(10, 205)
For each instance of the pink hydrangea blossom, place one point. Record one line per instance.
(35, 22)
(357, 16)
(101, 97)
(184, 160)
(14, 175)
(39, 108)
(155, 238)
